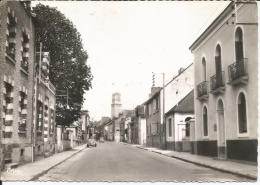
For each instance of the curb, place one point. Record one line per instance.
(249, 176)
(35, 177)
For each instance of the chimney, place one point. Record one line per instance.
(180, 70)
(154, 90)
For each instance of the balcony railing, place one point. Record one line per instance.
(217, 83)
(24, 65)
(238, 73)
(22, 129)
(202, 90)
(52, 87)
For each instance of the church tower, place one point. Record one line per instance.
(116, 105)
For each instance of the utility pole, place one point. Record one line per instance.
(164, 123)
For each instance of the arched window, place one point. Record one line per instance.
(204, 69)
(218, 66)
(239, 45)
(242, 119)
(187, 126)
(205, 121)
(170, 127)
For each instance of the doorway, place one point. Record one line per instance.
(222, 153)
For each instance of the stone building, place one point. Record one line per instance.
(226, 64)
(153, 113)
(45, 136)
(16, 80)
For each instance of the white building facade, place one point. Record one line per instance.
(226, 63)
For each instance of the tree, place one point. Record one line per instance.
(68, 68)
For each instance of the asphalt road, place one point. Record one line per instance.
(118, 162)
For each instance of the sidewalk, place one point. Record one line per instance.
(32, 171)
(237, 168)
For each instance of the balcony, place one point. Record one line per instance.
(202, 91)
(237, 72)
(217, 83)
(22, 130)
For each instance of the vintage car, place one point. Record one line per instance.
(91, 142)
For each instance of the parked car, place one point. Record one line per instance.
(91, 142)
(101, 140)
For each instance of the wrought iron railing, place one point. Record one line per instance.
(52, 87)
(202, 88)
(237, 69)
(218, 80)
(24, 65)
(22, 128)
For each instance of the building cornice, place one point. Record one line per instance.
(213, 26)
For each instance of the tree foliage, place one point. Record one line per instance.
(68, 68)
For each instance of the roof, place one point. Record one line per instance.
(178, 74)
(153, 96)
(212, 26)
(156, 93)
(186, 105)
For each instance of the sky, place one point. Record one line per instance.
(127, 41)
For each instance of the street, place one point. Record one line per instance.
(119, 162)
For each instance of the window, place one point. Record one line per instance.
(154, 105)
(147, 109)
(242, 119)
(204, 69)
(52, 121)
(239, 45)
(218, 66)
(157, 103)
(25, 50)
(46, 117)
(154, 128)
(170, 126)
(8, 108)
(22, 152)
(205, 121)
(39, 125)
(22, 113)
(150, 109)
(11, 34)
(187, 126)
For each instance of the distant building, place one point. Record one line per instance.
(109, 131)
(122, 117)
(138, 126)
(116, 105)
(84, 122)
(226, 64)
